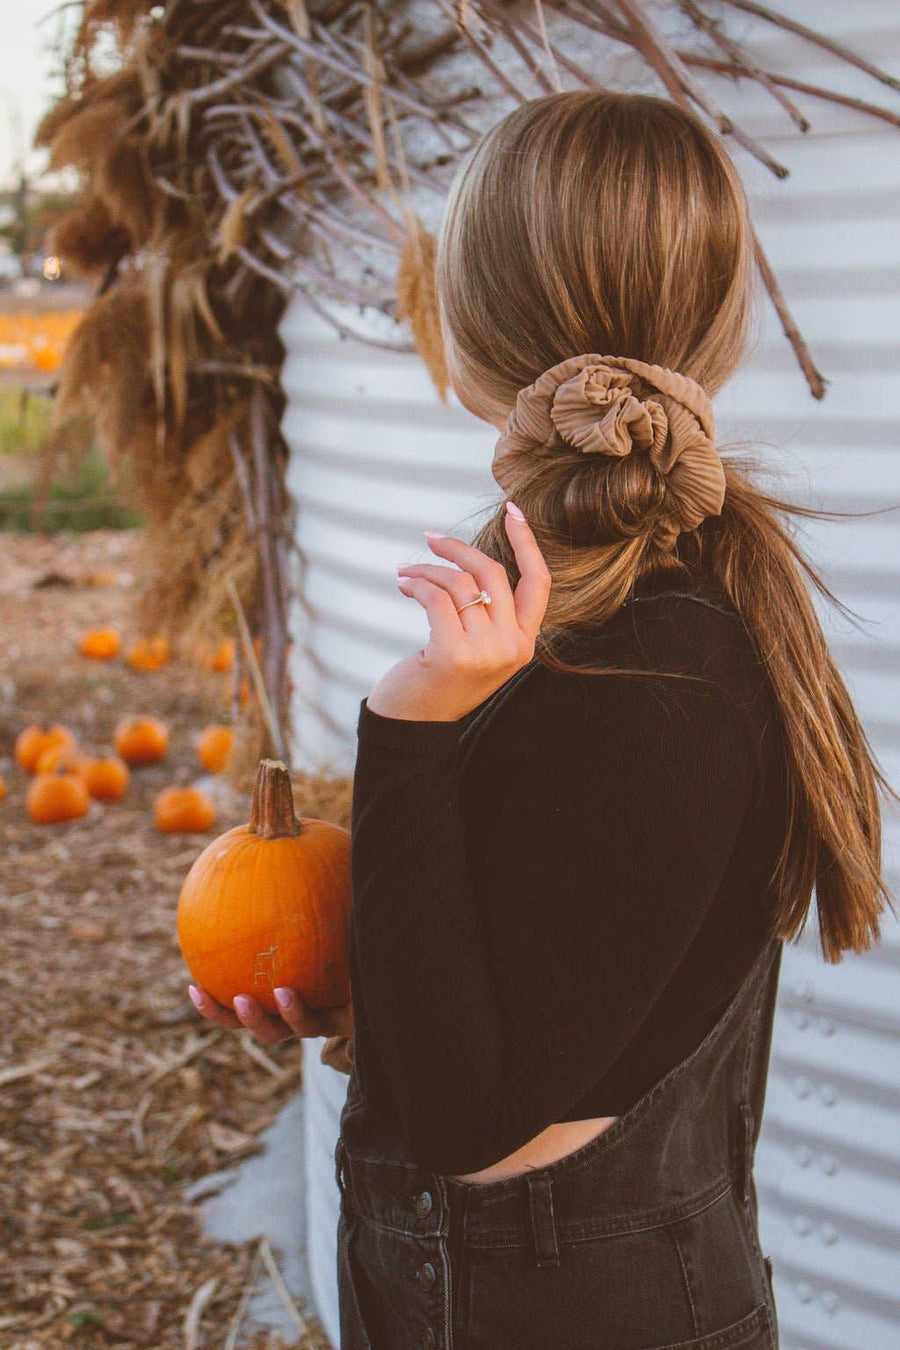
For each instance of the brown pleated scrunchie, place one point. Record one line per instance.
(612, 405)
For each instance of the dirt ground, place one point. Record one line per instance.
(114, 1092)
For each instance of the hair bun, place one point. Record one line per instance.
(613, 405)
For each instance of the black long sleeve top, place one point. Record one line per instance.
(555, 896)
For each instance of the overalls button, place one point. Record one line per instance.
(426, 1275)
(424, 1204)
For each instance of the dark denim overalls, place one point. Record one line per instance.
(644, 1238)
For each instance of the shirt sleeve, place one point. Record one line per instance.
(495, 1006)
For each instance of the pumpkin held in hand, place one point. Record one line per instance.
(268, 904)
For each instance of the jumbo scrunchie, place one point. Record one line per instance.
(612, 405)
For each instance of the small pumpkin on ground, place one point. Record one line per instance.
(59, 756)
(141, 740)
(105, 779)
(183, 810)
(214, 747)
(2, 788)
(34, 740)
(56, 797)
(149, 653)
(223, 659)
(100, 644)
(268, 904)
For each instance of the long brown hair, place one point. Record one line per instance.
(616, 223)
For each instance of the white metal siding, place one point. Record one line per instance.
(376, 458)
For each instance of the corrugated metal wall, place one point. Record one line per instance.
(376, 459)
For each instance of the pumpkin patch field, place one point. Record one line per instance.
(115, 1094)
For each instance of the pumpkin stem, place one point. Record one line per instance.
(272, 813)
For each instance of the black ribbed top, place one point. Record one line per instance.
(555, 896)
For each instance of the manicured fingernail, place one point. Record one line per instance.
(514, 511)
(283, 998)
(242, 1004)
(195, 996)
(433, 534)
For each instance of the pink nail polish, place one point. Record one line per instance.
(242, 1004)
(194, 995)
(283, 997)
(514, 510)
(433, 534)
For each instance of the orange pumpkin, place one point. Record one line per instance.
(268, 904)
(183, 810)
(105, 779)
(2, 789)
(100, 644)
(149, 653)
(141, 740)
(224, 656)
(55, 797)
(34, 740)
(59, 756)
(214, 747)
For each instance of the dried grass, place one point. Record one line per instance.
(115, 1093)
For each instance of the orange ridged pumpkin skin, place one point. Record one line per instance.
(2, 789)
(183, 810)
(214, 747)
(56, 797)
(141, 740)
(100, 644)
(34, 740)
(255, 913)
(105, 779)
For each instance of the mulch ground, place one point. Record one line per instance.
(114, 1093)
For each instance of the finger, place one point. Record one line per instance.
(265, 1028)
(303, 1020)
(212, 1010)
(446, 630)
(462, 586)
(535, 580)
(489, 574)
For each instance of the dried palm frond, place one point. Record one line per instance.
(417, 301)
(88, 238)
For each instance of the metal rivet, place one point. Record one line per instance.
(424, 1204)
(426, 1275)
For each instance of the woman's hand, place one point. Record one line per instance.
(297, 1019)
(469, 655)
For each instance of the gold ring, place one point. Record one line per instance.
(482, 598)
